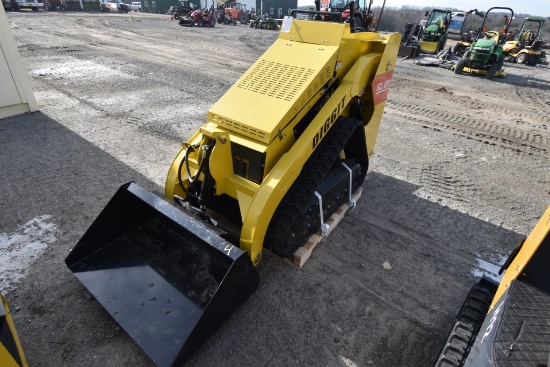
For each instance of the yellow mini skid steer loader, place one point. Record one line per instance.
(285, 146)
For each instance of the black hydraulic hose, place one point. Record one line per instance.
(203, 163)
(199, 170)
(207, 183)
(187, 192)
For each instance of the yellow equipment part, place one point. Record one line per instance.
(507, 323)
(11, 353)
(265, 105)
(501, 73)
(428, 47)
(525, 49)
(287, 144)
(508, 46)
(523, 254)
(526, 52)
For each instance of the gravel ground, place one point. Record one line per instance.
(460, 174)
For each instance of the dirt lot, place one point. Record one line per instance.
(460, 173)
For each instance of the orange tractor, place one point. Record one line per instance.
(231, 11)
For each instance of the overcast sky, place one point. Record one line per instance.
(532, 7)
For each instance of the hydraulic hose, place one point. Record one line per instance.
(202, 165)
(185, 160)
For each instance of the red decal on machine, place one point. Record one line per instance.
(381, 87)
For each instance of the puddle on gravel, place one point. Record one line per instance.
(348, 362)
(489, 269)
(72, 68)
(20, 249)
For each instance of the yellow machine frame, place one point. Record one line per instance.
(504, 324)
(11, 353)
(302, 120)
(526, 250)
(428, 47)
(364, 65)
(510, 45)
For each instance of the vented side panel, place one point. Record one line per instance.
(324, 78)
(240, 128)
(248, 163)
(276, 88)
(283, 81)
(275, 79)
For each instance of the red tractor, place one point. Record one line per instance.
(208, 18)
(236, 11)
(362, 20)
(200, 18)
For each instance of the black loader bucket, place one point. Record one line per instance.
(165, 277)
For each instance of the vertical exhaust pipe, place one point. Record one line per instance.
(318, 9)
(352, 16)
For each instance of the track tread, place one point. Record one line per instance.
(466, 326)
(317, 166)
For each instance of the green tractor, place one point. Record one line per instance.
(434, 35)
(486, 56)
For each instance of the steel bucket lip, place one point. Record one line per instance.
(167, 210)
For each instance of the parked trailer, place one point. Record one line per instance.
(16, 5)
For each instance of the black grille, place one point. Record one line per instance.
(481, 54)
(248, 163)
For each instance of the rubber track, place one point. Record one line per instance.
(311, 176)
(466, 327)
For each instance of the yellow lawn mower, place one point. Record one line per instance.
(526, 48)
